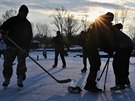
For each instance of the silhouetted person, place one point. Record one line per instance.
(82, 40)
(19, 29)
(102, 35)
(59, 49)
(45, 53)
(108, 38)
(97, 40)
(121, 58)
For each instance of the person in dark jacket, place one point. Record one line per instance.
(100, 37)
(45, 53)
(82, 40)
(59, 49)
(19, 29)
(110, 39)
(96, 37)
(121, 58)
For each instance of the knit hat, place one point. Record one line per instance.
(118, 26)
(23, 8)
(109, 15)
(58, 32)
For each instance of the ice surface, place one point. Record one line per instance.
(39, 86)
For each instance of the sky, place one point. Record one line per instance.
(41, 10)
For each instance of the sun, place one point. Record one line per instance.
(92, 16)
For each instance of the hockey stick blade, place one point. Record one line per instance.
(59, 81)
(64, 81)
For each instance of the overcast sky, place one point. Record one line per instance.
(40, 10)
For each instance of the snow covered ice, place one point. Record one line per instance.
(39, 86)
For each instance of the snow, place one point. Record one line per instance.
(39, 86)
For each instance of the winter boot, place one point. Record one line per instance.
(84, 70)
(93, 89)
(6, 82)
(127, 85)
(64, 66)
(117, 87)
(20, 80)
(74, 90)
(54, 66)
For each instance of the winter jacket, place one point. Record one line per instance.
(19, 30)
(123, 40)
(58, 43)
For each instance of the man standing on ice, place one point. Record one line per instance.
(111, 40)
(18, 29)
(82, 40)
(59, 49)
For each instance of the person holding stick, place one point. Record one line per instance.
(121, 58)
(100, 37)
(19, 29)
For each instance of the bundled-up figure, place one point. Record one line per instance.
(102, 35)
(45, 53)
(82, 40)
(97, 38)
(121, 58)
(59, 49)
(108, 38)
(18, 29)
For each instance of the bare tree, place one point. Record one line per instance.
(66, 23)
(7, 15)
(42, 32)
(123, 15)
(132, 32)
(116, 16)
(59, 18)
(120, 16)
(85, 23)
(71, 25)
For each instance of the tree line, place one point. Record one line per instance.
(68, 25)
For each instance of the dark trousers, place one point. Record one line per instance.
(10, 55)
(94, 60)
(61, 52)
(85, 59)
(121, 65)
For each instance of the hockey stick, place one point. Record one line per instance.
(106, 76)
(107, 62)
(59, 81)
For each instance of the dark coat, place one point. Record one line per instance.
(58, 43)
(19, 30)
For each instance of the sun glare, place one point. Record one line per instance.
(96, 13)
(92, 16)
